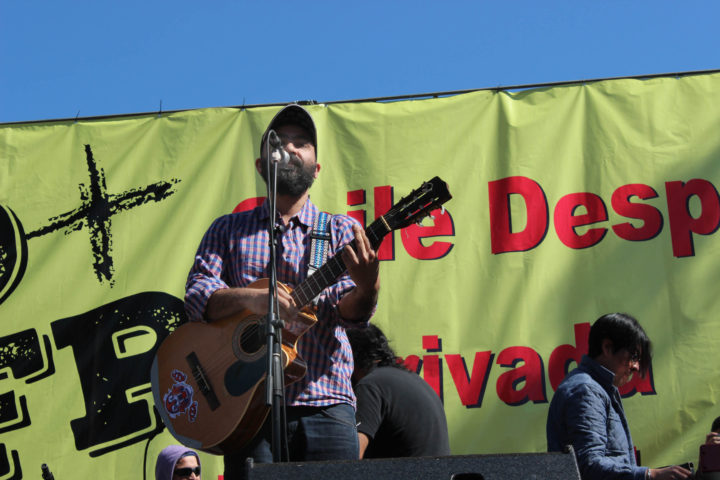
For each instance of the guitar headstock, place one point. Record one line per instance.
(410, 209)
(418, 204)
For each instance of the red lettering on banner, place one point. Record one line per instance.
(562, 357)
(357, 197)
(637, 384)
(412, 235)
(432, 372)
(431, 343)
(432, 365)
(412, 363)
(530, 374)
(470, 388)
(502, 238)
(526, 379)
(679, 194)
(248, 204)
(383, 200)
(682, 223)
(566, 221)
(650, 215)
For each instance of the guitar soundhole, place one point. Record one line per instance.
(249, 339)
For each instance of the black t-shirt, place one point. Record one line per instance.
(402, 415)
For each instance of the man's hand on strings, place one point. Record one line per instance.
(363, 265)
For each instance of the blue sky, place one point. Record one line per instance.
(59, 59)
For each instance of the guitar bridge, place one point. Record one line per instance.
(202, 381)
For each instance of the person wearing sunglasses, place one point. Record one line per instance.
(176, 462)
(586, 410)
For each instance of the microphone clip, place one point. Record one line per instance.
(278, 153)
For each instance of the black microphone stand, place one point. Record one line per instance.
(275, 380)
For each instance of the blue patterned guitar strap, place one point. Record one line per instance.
(319, 244)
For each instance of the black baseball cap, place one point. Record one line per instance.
(292, 114)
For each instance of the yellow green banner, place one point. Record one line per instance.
(568, 202)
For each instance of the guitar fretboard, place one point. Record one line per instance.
(334, 267)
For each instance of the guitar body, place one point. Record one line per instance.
(208, 379)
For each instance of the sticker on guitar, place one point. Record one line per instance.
(179, 398)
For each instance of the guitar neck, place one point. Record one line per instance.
(334, 267)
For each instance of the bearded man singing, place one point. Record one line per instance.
(234, 253)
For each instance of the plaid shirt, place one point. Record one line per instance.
(234, 253)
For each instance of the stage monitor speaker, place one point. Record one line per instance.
(521, 466)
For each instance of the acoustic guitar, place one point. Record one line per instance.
(208, 379)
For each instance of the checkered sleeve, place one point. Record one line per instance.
(342, 234)
(205, 276)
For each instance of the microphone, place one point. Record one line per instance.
(278, 152)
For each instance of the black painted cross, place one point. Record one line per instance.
(95, 210)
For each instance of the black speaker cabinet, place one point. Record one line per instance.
(521, 466)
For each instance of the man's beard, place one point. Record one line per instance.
(293, 178)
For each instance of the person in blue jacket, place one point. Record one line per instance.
(586, 410)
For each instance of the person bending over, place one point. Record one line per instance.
(398, 413)
(587, 412)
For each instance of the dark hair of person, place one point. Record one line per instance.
(715, 425)
(624, 332)
(371, 348)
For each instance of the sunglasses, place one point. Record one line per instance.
(187, 471)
